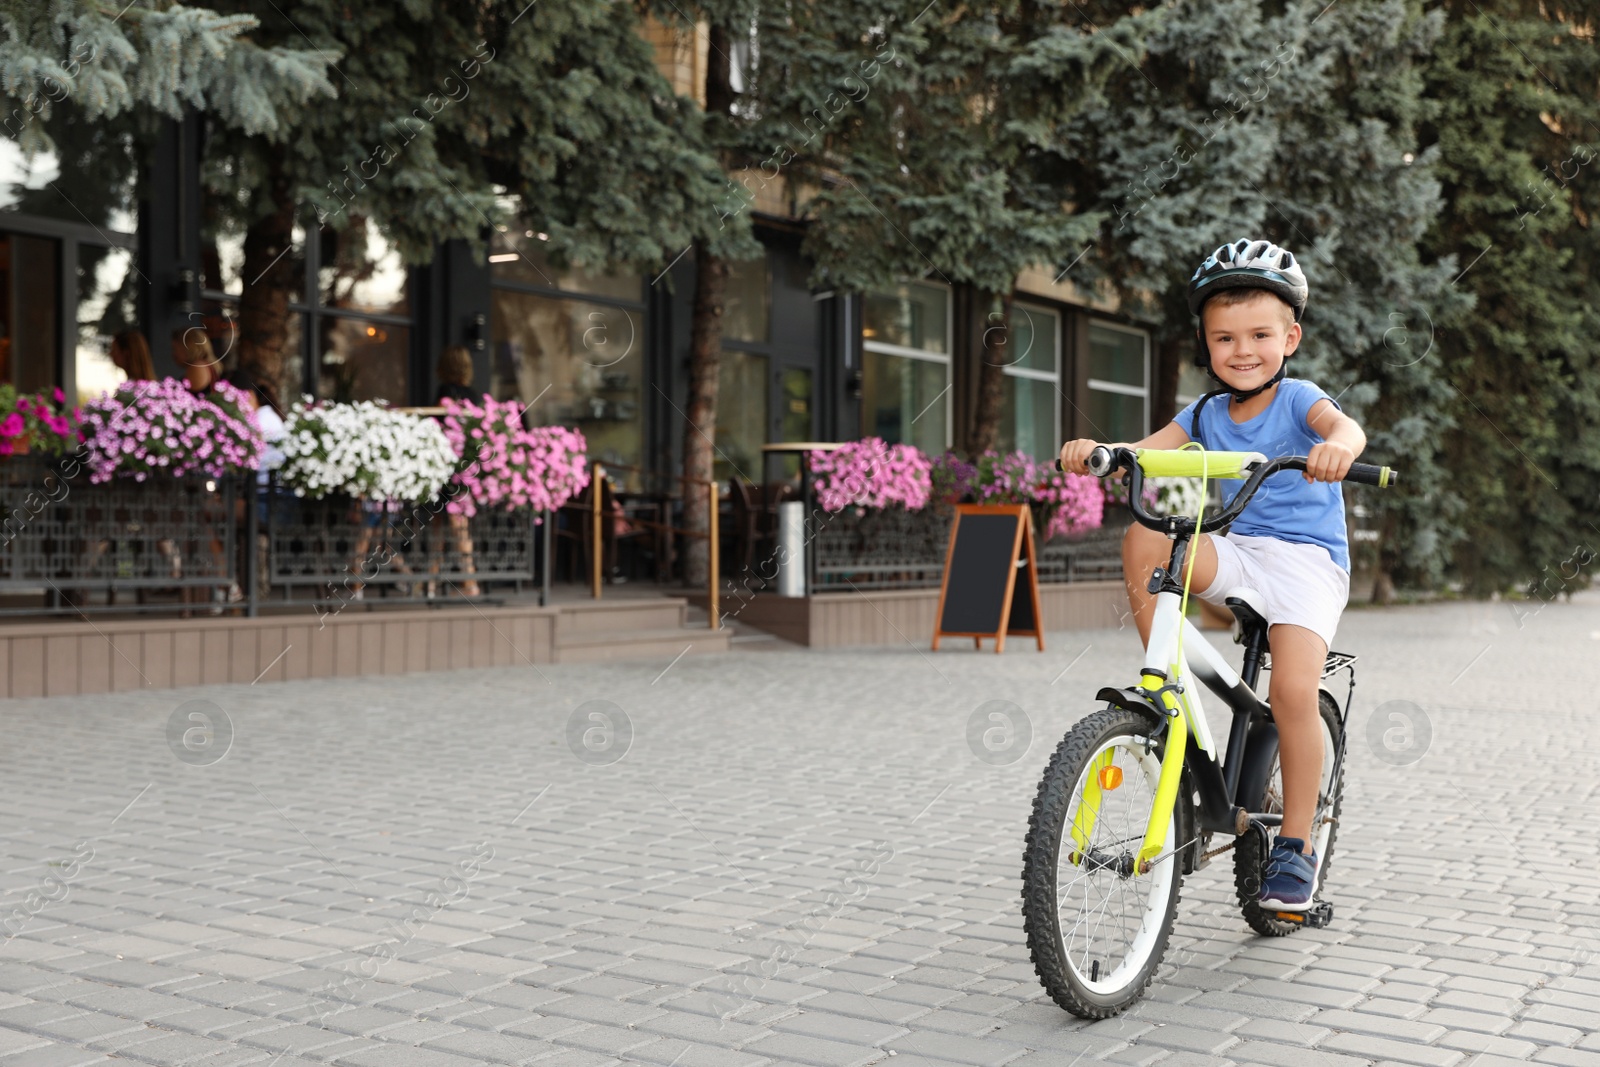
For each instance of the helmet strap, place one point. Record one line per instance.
(1258, 390)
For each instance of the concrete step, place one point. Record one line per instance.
(665, 642)
(609, 617)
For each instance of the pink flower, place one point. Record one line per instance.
(503, 463)
(871, 473)
(212, 436)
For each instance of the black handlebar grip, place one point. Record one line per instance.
(1372, 474)
(1101, 456)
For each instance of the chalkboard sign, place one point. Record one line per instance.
(991, 545)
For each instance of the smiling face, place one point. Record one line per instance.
(1249, 336)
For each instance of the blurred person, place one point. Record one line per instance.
(130, 354)
(192, 350)
(455, 375)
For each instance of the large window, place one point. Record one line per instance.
(1119, 383)
(29, 277)
(906, 366)
(744, 375)
(570, 345)
(1193, 383)
(107, 305)
(747, 302)
(57, 223)
(741, 415)
(349, 306)
(1030, 415)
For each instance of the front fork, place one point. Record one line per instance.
(1155, 834)
(1167, 785)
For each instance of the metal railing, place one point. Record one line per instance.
(598, 518)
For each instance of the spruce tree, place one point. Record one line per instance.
(105, 59)
(1517, 132)
(1297, 124)
(956, 167)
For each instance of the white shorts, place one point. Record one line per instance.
(1300, 584)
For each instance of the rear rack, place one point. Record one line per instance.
(1336, 662)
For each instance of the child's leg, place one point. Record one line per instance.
(1297, 658)
(1143, 550)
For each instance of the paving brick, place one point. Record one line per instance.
(403, 1056)
(839, 1027)
(796, 1048)
(1279, 1054)
(1386, 1049)
(60, 1056)
(1567, 1057)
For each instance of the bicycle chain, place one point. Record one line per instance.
(1206, 857)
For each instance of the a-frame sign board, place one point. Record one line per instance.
(991, 546)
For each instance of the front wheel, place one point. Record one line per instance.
(1096, 928)
(1248, 857)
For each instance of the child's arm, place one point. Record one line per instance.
(1342, 442)
(1074, 454)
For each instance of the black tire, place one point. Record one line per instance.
(1248, 857)
(1041, 911)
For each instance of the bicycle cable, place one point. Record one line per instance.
(1194, 547)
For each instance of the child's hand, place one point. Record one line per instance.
(1329, 461)
(1075, 454)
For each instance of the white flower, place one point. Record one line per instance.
(366, 450)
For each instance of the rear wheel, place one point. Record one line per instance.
(1249, 859)
(1096, 928)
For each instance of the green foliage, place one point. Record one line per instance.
(451, 116)
(954, 163)
(1517, 147)
(110, 58)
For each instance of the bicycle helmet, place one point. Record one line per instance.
(1247, 264)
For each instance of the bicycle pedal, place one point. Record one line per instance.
(1319, 914)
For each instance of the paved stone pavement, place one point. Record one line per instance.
(422, 872)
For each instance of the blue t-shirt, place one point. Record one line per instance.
(1286, 506)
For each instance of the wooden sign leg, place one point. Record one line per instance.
(1033, 588)
(1011, 581)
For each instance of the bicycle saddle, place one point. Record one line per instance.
(1248, 607)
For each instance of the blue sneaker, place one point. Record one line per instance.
(1291, 876)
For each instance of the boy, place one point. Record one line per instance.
(1289, 544)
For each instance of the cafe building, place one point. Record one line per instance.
(606, 354)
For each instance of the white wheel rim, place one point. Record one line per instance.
(1107, 910)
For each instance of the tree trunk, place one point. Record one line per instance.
(705, 349)
(997, 356)
(268, 277)
(700, 428)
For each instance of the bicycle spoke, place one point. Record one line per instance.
(1107, 903)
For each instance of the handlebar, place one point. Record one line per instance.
(1103, 460)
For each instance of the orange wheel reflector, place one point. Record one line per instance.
(1110, 778)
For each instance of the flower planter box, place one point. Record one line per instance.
(69, 539)
(892, 548)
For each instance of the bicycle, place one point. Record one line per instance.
(1127, 806)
